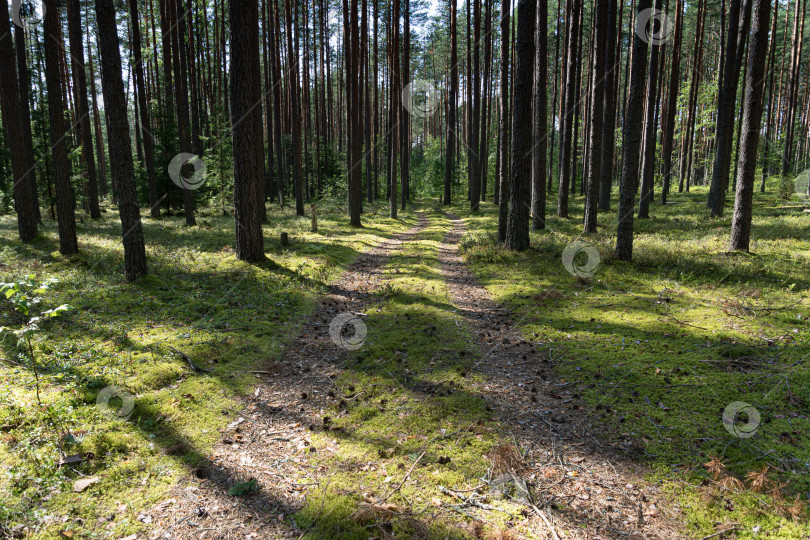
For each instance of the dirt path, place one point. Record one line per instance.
(603, 495)
(269, 441)
(583, 490)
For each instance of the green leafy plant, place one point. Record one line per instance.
(24, 295)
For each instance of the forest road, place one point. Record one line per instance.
(581, 486)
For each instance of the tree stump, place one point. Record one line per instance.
(285, 239)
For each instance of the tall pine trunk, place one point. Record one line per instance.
(672, 100)
(517, 229)
(122, 168)
(631, 137)
(609, 110)
(503, 150)
(82, 110)
(65, 198)
(752, 119)
(650, 129)
(594, 174)
(13, 122)
(246, 121)
(450, 163)
(540, 116)
(25, 110)
(145, 124)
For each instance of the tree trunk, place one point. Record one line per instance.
(24, 200)
(178, 17)
(631, 137)
(766, 165)
(25, 110)
(672, 100)
(752, 118)
(59, 134)
(540, 116)
(395, 93)
(82, 110)
(450, 163)
(793, 87)
(119, 142)
(517, 229)
(601, 22)
(650, 130)
(295, 108)
(503, 150)
(483, 131)
(145, 125)
(726, 106)
(574, 7)
(609, 113)
(246, 119)
(281, 180)
(354, 119)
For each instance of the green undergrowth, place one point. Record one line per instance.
(660, 347)
(405, 401)
(225, 316)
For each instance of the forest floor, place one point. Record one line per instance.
(487, 393)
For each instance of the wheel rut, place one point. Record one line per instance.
(269, 441)
(588, 489)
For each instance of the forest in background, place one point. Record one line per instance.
(362, 100)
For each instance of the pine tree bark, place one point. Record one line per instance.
(474, 110)
(354, 119)
(145, 124)
(119, 142)
(394, 106)
(672, 100)
(517, 229)
(727, 105)
(650, 130)
(566, 138)
(503, 150)
(295, 109)
(483, 131)
(793, 87)
(246, 121)
(275, 68)
(178, 18)
(752, 119)
(601, 22)
(12, 120)
(405, 117)
(25, 110)
(631, 137)
(82, 110)
(59, 134)
(766, 163)
(609, 112)
(450, 161)
(540, 116)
